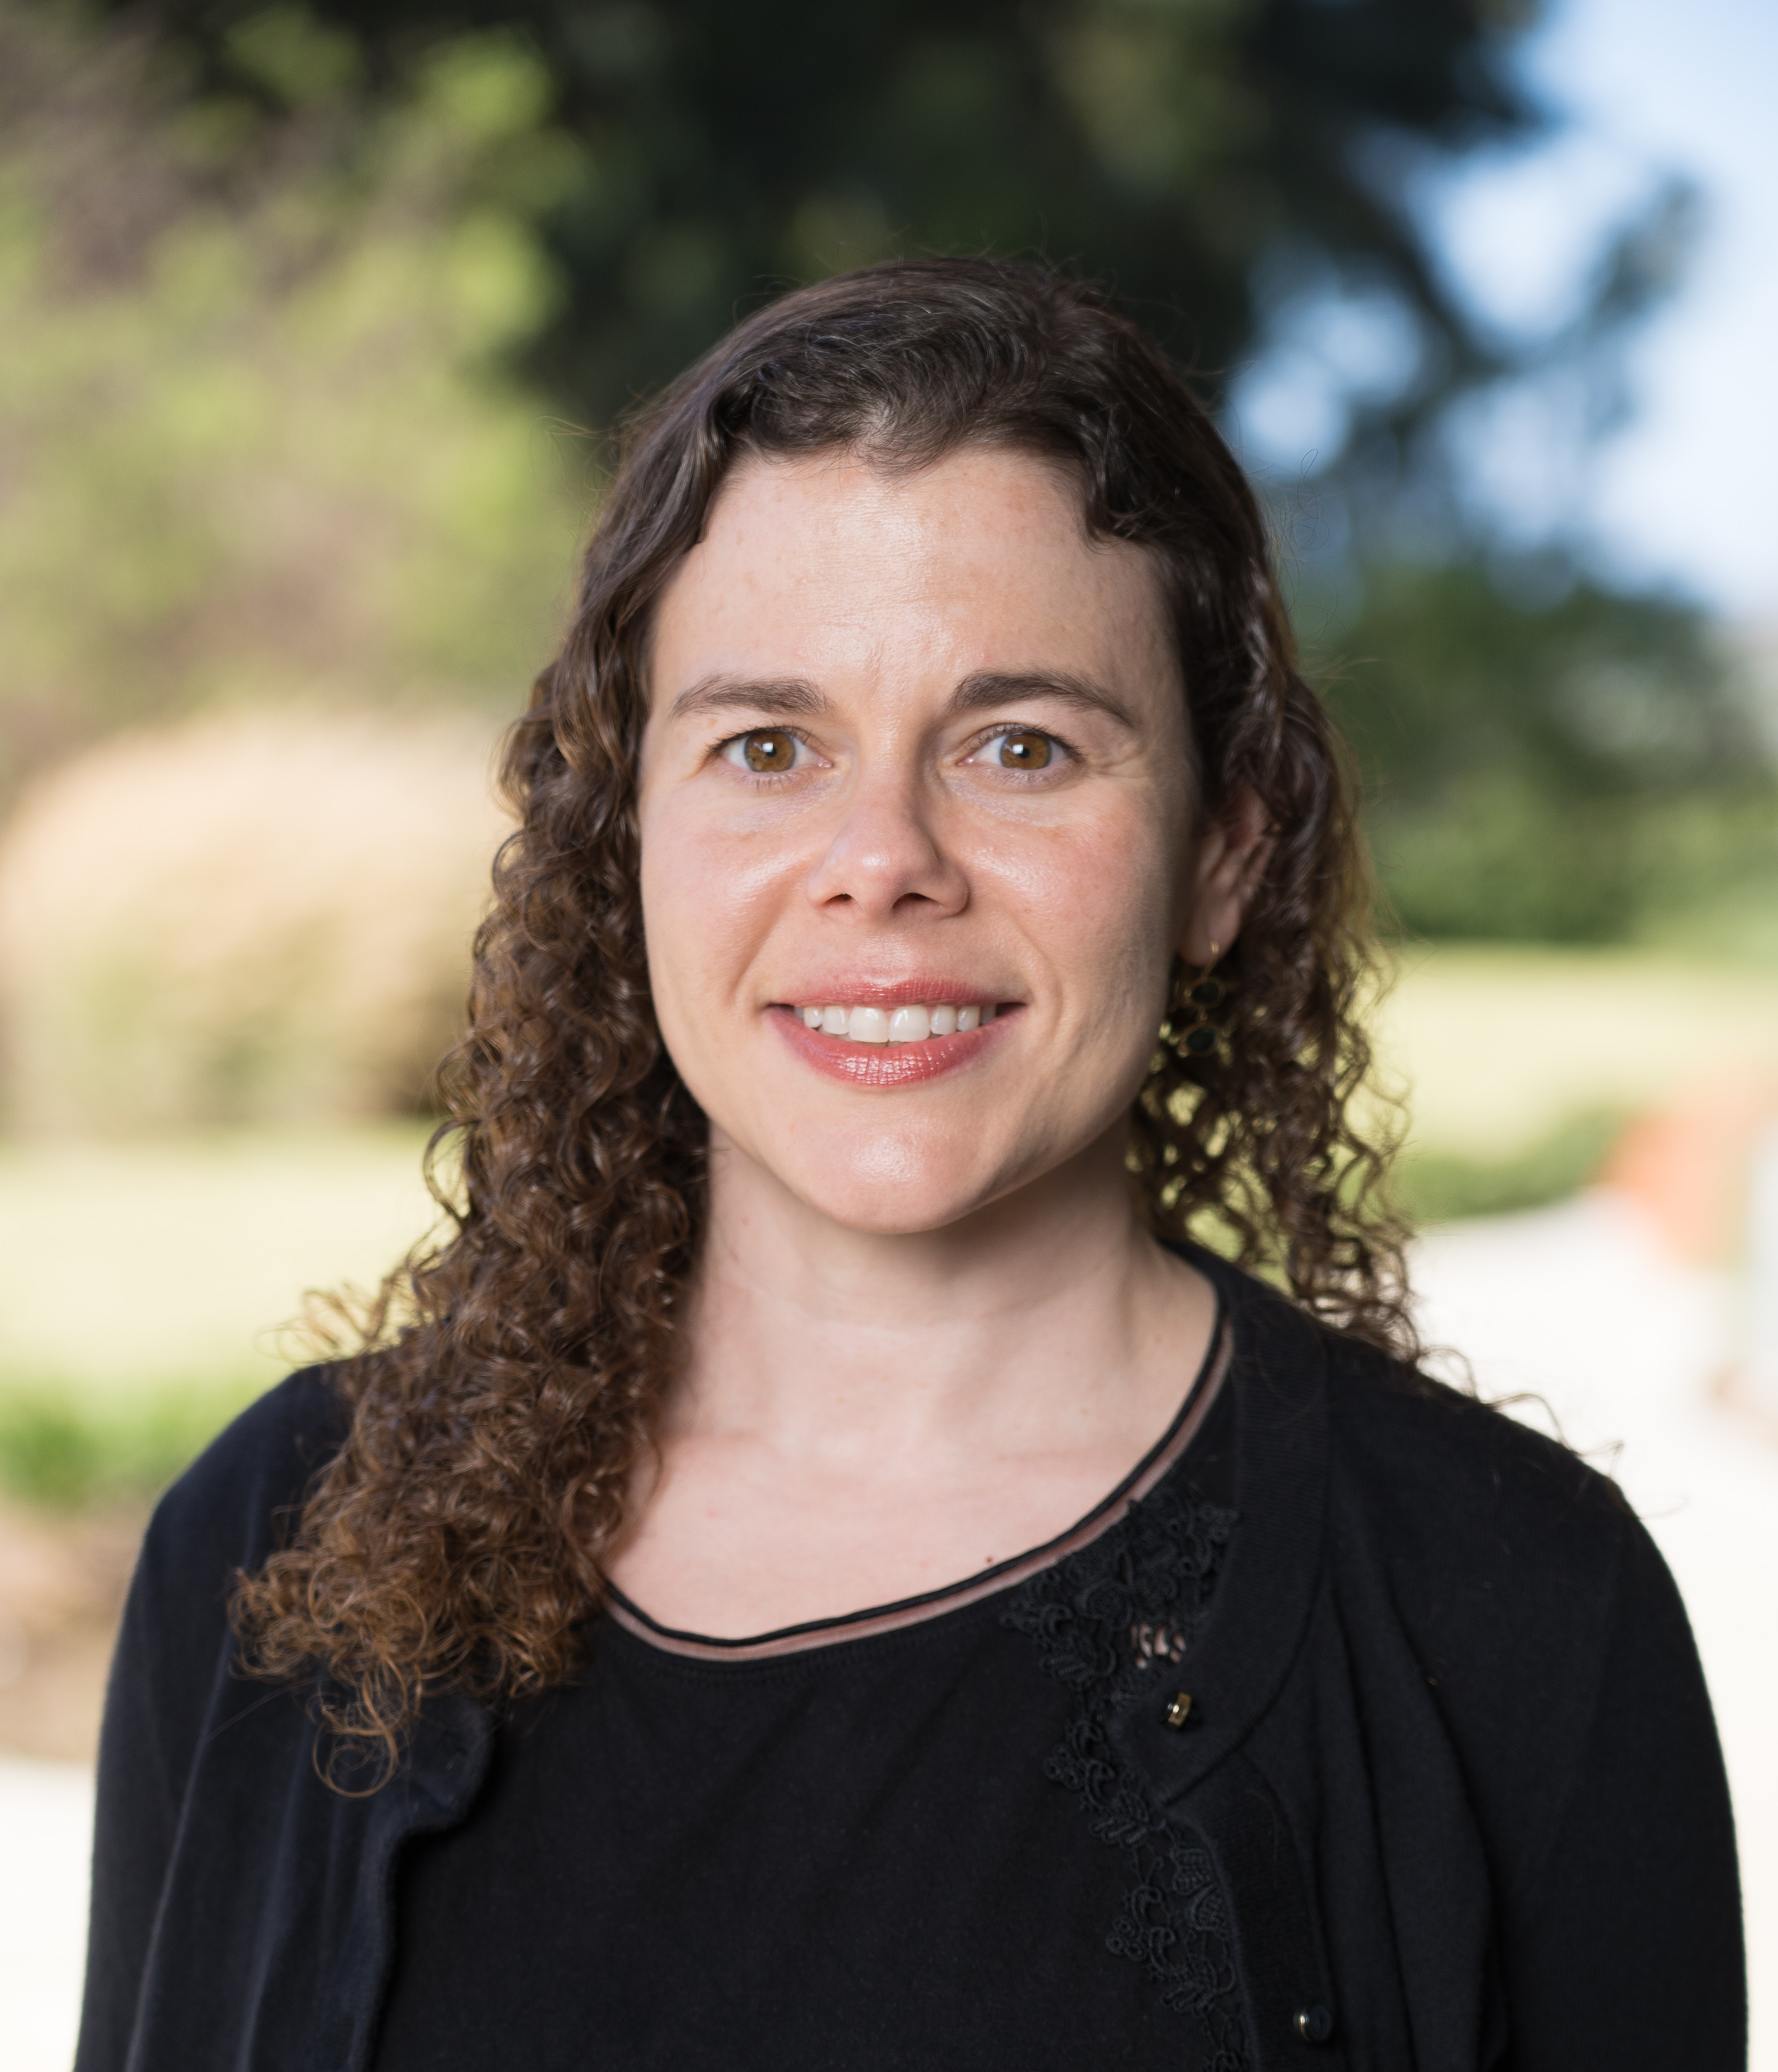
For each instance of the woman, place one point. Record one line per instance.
(820, 1568)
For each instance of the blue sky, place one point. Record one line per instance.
(1641, 89)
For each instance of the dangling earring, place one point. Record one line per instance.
(1204, 993)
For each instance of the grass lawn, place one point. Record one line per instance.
(149, 1287)
(1500, 1047)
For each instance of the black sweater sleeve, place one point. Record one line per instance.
(138, 1816)
(174, 1653)
(1625, 1948)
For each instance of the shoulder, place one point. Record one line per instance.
(1466, 1509)
(228, 1509)
(1484, 1539)
(175, 1652)
(1520, 1580)
(1543, 1626)
(1456, 1487)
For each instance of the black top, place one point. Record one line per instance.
(1447, 1795)
(865, 1851)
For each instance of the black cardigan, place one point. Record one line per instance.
(1449, 1746)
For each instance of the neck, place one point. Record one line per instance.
(1042, 1321)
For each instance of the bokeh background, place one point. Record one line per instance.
(314, 323)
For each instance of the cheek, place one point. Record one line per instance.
(707, 901)
(1097, 900)
(677, 911)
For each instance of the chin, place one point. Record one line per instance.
(893, 1185)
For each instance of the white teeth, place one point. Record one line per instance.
(902, 1025)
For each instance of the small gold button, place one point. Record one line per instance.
(1179, 1708)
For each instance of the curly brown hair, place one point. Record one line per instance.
(507, 1379)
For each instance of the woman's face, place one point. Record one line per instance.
(916, 760)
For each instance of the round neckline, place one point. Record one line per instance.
(807, 1635)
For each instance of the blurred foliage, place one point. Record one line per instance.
(723, 151)
(260, 916)
(1436, 1186)
(284, 291)
(61, 1449)
(588, 194)
(1578, 766)
(255, 434)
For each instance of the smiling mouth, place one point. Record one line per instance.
(915, 1024)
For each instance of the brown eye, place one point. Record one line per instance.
(767, 752)
(1025, 751)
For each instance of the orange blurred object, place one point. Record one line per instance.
(1687, 1167)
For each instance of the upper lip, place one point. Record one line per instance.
(918, 992)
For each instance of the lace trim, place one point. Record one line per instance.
(1105, 1619)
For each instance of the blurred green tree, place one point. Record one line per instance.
(724, 151)
(285, 286)
(257, 435)
(1581, 765)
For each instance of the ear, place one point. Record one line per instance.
(1229, 858)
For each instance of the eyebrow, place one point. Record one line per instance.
(990, 688)
(788, 698)
(782, 697)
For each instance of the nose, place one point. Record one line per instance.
(885, 861)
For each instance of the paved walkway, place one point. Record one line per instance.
(46, 1819)
(1576, 1303)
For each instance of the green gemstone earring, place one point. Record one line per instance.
(1204, 993)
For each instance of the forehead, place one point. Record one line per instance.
(828, 564)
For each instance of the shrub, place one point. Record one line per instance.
(255, 917)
